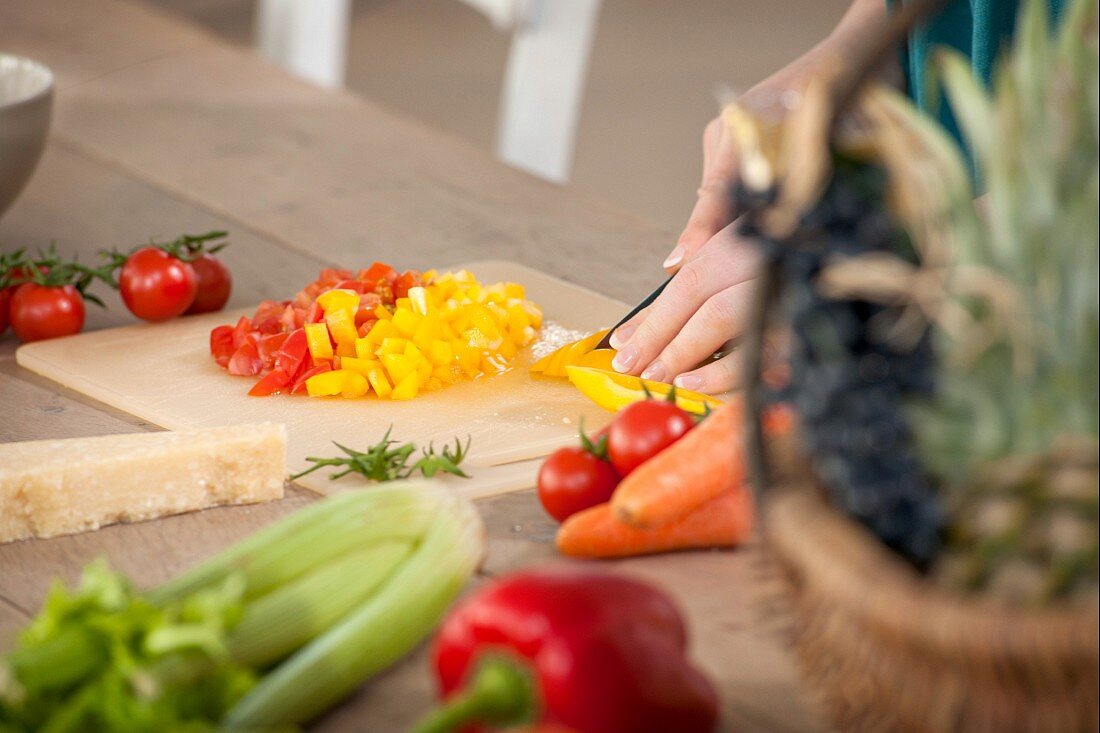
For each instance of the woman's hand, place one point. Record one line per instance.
(712, 208)
(704, 306)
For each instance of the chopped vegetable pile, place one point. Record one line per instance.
(377, 331)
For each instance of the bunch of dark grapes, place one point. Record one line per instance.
(848, 381)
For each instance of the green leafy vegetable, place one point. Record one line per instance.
(102, 657)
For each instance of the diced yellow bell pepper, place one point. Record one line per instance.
(359, 366)
(423, 370)
(345, 348)
(420, 299)
(440, 353)
(398, 366)
(339, 299)
(355, 385)
(406, 389)
(515, 290)
(405, 321)
(341, 324)
(364, 348)
(393, 345)
(382, 313)
(379, 383)
(381, 330)
(317, 338)
(427, 333)
(327, 383)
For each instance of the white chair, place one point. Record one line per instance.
(543, 82)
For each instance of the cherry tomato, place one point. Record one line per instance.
(642, 430)
(5, 309)
(44, 312)
(212, 284)
(156, 286)
(573, 479)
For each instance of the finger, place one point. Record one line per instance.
(716, 377)
(623, 333)
(724, 265)
(712, 209)
(719, 319)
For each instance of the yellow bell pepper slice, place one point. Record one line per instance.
(359, 366)
(613, 391)
(398, 366)
(338, 299)
(327, 383)
(420, 300)
(379, 383)
(598, 359)
(341, 324)
(407, 388)
(355, 385)
(320, 346)
(553, 365)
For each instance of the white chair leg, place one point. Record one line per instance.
(543, 86)
(308, 38)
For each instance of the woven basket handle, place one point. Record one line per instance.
(843, 88)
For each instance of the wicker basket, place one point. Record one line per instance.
(883, 649)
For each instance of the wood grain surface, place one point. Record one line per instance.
(161, 129)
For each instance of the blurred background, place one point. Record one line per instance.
(648, 91)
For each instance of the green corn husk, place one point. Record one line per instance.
(375, 635)
(311, 537)
(289, 617)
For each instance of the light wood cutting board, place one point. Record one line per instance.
(163, 373)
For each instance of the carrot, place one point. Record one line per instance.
(724, 521)
(691, 471)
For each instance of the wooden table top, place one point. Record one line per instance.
(159, 128)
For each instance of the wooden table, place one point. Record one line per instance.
(160, 128)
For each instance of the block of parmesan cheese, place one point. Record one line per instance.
(54, 487)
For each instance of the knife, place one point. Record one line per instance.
(605, 342)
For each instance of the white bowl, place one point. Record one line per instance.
(26, 100)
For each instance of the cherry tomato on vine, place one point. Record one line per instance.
(644, 429)
(212, 284)
(156, 286)
(45, 311)
(573, 479)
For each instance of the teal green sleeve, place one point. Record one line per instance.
(979, 29)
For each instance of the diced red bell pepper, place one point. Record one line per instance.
(221, 345)
(379, 271)
(332, 275)
(241, 331)
(269, 346)
(356, 285)
(408, 279)
(246, 361)
(292, 355)
(300, 383)
(315, 314)
(269, 384)
(366, 326)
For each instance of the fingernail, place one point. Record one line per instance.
(675, 256)
(689, 381)
(621, 335)
(625, 359)
(655, 372)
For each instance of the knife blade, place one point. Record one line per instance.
(605, 342)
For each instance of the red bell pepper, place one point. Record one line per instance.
(589, 650)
